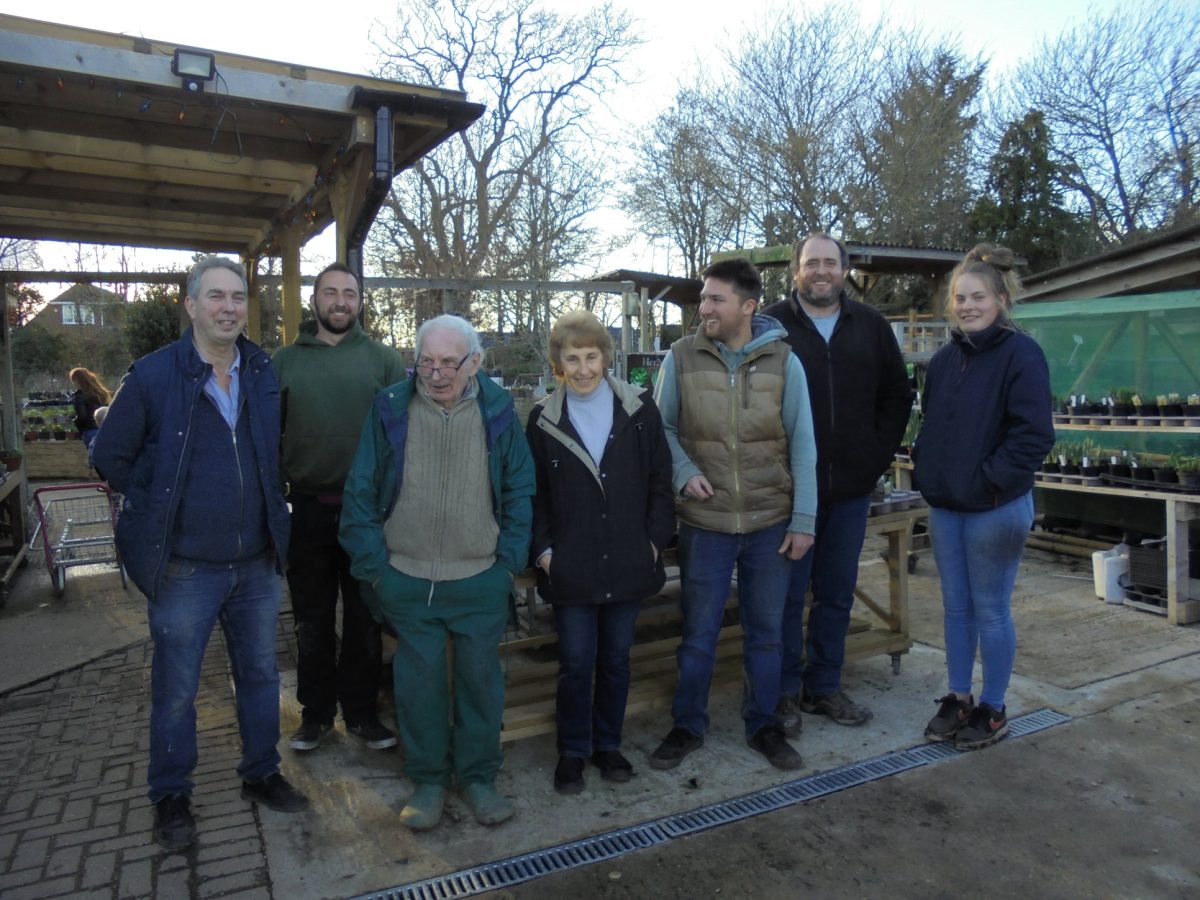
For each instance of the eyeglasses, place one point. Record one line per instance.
(427, 371)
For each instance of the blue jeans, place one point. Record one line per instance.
(977, 555)
(593, 638)
(244, 598)
(706, 560)
(831, 566)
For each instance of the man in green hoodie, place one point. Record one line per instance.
(328, 379)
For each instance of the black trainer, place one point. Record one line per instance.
(174, 827)
(568, 775)
(613, 765)
(770, 742)
(374, 733)
(275, 793)
(675, 746)
(985, 726)
(951, 716)
(308, 736)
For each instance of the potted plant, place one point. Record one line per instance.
(1169, 405)
(1141, 472)
(1192, 411)
(1080, 409)
(1119, 466)
(1122, 403)
(1050, 467)
(1168, 472)
(1145, 413)
(1089, 459)
(11, 458)
(1188, 468)
(1068, 459)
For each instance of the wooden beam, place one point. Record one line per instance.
(157, 156)
(132, 239)
(36, 161)
(101, 214)
(111, 227)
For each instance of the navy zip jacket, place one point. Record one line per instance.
(988, 424)
(858, 388)
(146, 448)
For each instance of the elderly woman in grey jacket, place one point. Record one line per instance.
(602, 515)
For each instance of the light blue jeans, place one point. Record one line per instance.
(977, 555)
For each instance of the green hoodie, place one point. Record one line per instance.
(326, 391)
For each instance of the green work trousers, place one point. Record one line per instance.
(428, 616)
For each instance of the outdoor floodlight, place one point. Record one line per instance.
(195, 67)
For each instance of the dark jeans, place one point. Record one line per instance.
(594, 638)
(317, 568)
(832, 568)
(244, 598)
(707, 560)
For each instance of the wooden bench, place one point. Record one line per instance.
(530, 686)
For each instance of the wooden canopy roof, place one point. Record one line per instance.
(101, 143)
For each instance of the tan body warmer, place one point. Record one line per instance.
(731, 426)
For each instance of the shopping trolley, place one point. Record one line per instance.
(76, 526)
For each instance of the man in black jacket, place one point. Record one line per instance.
(861, 400)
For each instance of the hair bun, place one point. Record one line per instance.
(1000, 258)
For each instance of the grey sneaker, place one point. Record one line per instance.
(788, 714)
(952, 715)
(985, 726)
(836, 706)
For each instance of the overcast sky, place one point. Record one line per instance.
(677, 33)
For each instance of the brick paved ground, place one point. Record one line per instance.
(74, 819)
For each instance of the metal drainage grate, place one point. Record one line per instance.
(573, 855)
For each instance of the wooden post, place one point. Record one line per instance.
(289, 249)
(253, 303)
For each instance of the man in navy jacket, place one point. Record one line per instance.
(192, 442)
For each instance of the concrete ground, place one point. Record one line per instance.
(1105, 805)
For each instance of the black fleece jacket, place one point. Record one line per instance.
(988, 423)
(858, 387)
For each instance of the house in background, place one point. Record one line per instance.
(81, 310)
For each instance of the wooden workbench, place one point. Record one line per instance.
(530, 687)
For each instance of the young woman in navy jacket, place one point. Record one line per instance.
(987, 429)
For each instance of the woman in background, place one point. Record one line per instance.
(90, 395)
(602, 515)
(987, 429)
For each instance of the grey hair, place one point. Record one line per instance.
(208, 264)
(457, 324)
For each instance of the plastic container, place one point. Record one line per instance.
(1108, 567)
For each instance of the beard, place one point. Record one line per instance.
(336, 329)
(835, 295)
